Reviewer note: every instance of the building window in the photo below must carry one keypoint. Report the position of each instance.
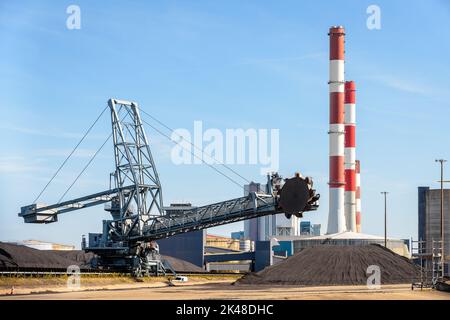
(283, 231)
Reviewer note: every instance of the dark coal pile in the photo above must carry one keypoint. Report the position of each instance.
(16, 257)
(182, 265)
(81, 257)
(336, 265)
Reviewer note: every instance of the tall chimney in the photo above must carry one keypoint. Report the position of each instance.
(358, 196)
(336, 216)
(350, 156)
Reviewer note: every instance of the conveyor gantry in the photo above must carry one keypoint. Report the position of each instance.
(138, 219)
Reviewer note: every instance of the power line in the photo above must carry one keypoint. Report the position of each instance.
(71, 153)
(196, 147)
(157, 130)
(84, 169)
(89, 162)
(209, 165)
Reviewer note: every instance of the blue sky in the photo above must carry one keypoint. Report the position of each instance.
(230, 64)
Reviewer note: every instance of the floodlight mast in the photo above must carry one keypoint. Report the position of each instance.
(127, 241)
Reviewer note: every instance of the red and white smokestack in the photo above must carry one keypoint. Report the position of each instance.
(358, 196)
(350, 156)
(336, 216)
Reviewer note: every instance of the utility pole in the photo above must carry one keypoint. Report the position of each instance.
(385, 218)
(441, 161)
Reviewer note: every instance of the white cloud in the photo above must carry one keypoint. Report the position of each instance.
(54, 134)
(18, 164)
(160, 146)
(64, 152)
(404, 85)
(272, 61)
(287, 67)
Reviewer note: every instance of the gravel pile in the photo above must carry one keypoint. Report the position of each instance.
(336, 265)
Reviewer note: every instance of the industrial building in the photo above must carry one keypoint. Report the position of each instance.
(222, 242)
(187, 246)
(308, 229)
(429, 219)
(263, 228)
(292, 245)
(237, 235)
(244, 244)
(43, 245)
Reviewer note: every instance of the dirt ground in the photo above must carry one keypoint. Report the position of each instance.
(59, 284)
(198, 288)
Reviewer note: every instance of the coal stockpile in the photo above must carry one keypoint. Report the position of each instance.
(329, 265)
(182, 265)
(83, 259)
(80, 257)
(18, 257)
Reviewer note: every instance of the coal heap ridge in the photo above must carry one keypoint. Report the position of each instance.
(14, 256)
(19, 257)
(328, 265)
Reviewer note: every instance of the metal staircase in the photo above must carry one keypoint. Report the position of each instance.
(423, 259)
(438, 262)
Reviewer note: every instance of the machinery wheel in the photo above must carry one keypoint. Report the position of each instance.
(294, 196)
